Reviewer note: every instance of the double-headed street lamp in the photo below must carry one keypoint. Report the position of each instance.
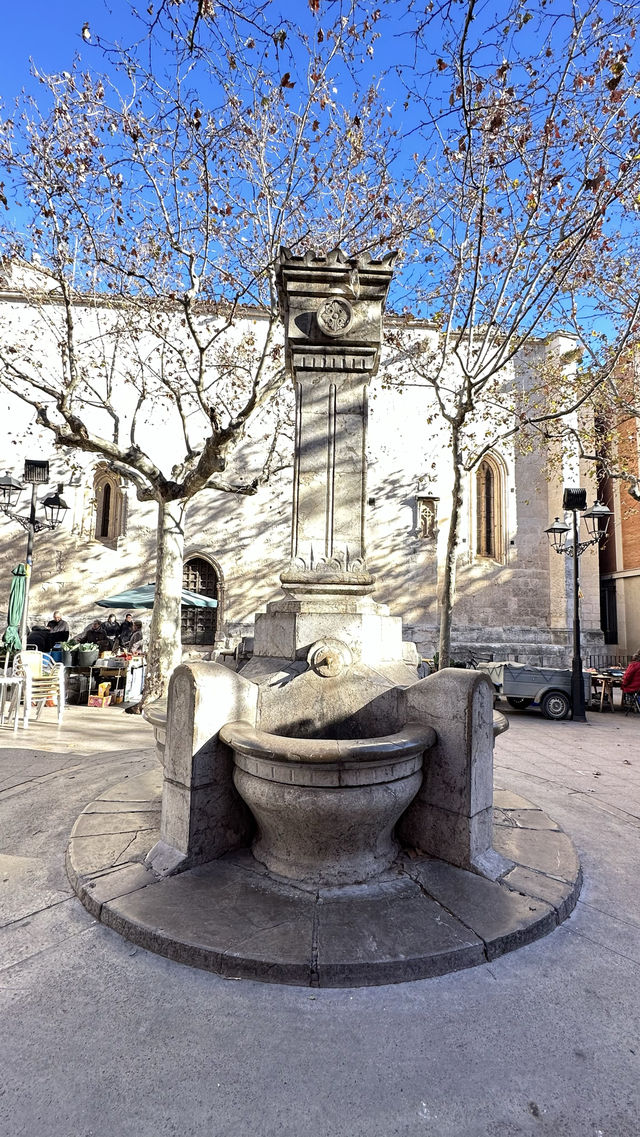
(597, 522)
(35, 474)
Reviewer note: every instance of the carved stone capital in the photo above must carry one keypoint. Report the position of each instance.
(330, 300)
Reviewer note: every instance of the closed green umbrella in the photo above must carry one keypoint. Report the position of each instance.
(11, 637)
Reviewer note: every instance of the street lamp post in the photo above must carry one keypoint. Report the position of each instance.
(35, 474)
(597, 522)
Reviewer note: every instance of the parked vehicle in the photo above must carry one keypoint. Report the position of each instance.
(523, 685)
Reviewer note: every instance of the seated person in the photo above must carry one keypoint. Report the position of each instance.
(58, 628)
(39, 637)
(126, 630)
(631, 677)
(111, 628)
(135, 643)
(94, 633)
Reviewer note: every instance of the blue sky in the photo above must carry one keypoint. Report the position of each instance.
(49, 33)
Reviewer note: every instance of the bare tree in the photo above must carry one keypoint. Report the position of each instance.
(526, 144)
(609, 438)
(152, 198)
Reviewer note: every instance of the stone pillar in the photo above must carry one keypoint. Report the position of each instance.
(332, 309)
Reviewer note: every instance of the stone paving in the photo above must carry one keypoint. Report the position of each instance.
(102, 1039)
(423, 917)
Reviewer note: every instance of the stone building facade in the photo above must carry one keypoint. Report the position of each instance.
(620, 557)
(513, 593)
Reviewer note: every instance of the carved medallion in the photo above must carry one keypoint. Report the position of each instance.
(335, 316)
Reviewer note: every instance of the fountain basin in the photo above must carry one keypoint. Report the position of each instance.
(326, 808)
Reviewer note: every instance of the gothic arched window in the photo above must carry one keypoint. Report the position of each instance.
(110, 505)
(489, 509)
(105, 512)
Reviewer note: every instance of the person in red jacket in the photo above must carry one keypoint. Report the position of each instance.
(631, 677)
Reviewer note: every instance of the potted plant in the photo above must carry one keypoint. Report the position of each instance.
(87, 654)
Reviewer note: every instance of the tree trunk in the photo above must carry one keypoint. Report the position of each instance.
(165, 643)
(448, 592)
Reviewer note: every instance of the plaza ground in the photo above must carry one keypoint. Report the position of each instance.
(102, 1039)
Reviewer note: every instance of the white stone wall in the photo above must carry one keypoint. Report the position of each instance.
(519, 607)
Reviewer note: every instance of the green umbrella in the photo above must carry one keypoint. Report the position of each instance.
(11, 637)
(144, 596)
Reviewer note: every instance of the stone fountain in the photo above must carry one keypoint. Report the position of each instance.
(327, 817)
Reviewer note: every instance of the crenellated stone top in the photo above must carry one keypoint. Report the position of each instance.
(332, 309)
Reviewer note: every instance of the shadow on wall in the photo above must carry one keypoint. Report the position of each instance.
(487, 592)
(249, 537)
(70, 574)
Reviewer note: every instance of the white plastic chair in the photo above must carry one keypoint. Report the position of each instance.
(43, 679)
(10, 685)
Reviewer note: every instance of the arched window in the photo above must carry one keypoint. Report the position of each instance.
(110, 506)
(199, 625)
(106, 511)
(489, 509)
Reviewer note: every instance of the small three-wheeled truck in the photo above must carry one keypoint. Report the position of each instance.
(522, 685)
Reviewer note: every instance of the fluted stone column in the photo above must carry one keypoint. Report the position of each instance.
(332, 310)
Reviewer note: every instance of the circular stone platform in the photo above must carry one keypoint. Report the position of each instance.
(422, 918)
